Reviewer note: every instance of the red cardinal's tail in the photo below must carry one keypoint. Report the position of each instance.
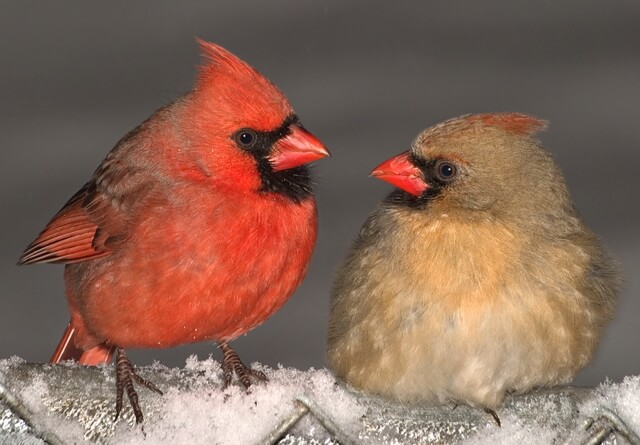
(67, 350)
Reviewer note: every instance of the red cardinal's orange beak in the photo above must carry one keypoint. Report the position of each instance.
(297, 148)
(400, 172)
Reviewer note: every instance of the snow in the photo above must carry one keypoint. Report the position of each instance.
(206, 415)
(75, 404)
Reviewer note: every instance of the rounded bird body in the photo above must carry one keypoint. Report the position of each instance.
(195, 267)
(198, 225)
(475, 278)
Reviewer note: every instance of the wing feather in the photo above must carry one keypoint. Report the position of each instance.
(95, 220)
(70, 235)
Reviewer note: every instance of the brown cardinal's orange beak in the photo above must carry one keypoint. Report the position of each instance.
(297, 148)
(401, 172)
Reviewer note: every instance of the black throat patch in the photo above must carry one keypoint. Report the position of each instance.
(294, 183)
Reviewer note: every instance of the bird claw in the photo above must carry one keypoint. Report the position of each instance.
(125, 376)
(494, 415)
(231, 364)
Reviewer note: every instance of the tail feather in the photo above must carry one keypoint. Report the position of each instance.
(67, 350)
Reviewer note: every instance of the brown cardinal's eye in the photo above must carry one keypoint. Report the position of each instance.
(446, 170)
(246, 138)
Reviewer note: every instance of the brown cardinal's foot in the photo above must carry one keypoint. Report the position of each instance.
(231, 363)
(125, 376)
(494, 415)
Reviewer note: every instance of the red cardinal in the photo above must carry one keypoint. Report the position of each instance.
(198, 225)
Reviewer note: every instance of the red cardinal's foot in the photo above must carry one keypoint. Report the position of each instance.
(231, 363)
(125, 376)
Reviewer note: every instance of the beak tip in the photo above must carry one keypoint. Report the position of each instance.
(324, 153)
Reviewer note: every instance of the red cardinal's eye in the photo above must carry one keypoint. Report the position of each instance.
(246, 138)
(446, 170)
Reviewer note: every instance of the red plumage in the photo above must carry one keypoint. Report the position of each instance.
(517, 123)
(186, 233)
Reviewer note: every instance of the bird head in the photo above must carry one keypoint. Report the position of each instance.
(240, 131)
(476, 162)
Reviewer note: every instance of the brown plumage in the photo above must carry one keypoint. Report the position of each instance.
(475, 277)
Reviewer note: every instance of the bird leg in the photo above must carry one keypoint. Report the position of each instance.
(231, 363)
(125, 376)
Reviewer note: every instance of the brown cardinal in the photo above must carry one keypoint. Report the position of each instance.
(198, 225)
(476, 277)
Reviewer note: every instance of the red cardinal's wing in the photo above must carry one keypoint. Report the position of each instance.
(94, 221)
(72, 235)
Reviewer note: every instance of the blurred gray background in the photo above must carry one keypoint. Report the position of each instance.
(365, 79)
